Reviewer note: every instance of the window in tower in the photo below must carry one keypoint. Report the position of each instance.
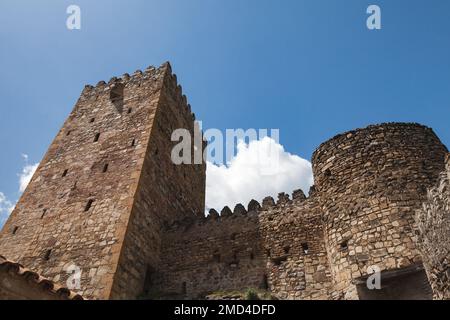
(88, 205)
(116, 96)
(305, 247)
(47, 254)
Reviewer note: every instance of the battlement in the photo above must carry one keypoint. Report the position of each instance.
(139, 78)
(256, 207)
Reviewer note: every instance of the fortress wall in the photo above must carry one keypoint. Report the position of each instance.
(433, 239)
(370, 182)
(293, 239)
(165, 190)
(205, 255)
(261, 248)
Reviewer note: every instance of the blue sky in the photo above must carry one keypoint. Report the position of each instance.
(310, 68)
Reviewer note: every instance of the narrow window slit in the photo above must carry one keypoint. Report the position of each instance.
(97, 136)
(65, 173)
(88, 205)
(344, 245)
(15, 230)
(47, 254)
(44, 212)
(305, 248)
(105, 168)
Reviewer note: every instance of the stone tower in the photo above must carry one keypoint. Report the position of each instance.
(371, 182)
(106, 187)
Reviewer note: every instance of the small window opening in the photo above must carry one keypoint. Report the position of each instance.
(327, 173)
(216, 257)
(47, 254)
(15, 230)
(65, 173)
(184, 288)
(268, 252)
(235, 258)
(148, 280)
(88, 205)
(286, 249)
(116, 96)
(344, 245)
(278, 260)
(43, 213)
(265, 283)
(92, 120)
(105, 168)
(252, 256)
(129, 110)
(305, 248)
(69, 132)
(133, 143)
(97, 136)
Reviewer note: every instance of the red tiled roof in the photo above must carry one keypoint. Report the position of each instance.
(34, 278)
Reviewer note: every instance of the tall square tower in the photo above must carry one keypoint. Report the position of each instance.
(106, 186)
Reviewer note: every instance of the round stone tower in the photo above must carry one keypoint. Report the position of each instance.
(370, 182)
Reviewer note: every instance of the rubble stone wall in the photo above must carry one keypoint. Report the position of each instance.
(370, 183)
(433, 221)
(278, 247)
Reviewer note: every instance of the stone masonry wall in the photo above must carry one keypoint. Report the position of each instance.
(370, 182)
(433, 221)
(164, 193)
(278, 247)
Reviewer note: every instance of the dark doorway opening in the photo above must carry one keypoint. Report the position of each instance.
(148, 281)
(410, 283)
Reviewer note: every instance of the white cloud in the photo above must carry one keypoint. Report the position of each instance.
(6, 207)
(26, 175)
(247, 176)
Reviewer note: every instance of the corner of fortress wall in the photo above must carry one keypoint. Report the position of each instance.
(433, 238)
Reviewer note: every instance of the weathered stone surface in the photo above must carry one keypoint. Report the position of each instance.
(108, 199)
(433, 221)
